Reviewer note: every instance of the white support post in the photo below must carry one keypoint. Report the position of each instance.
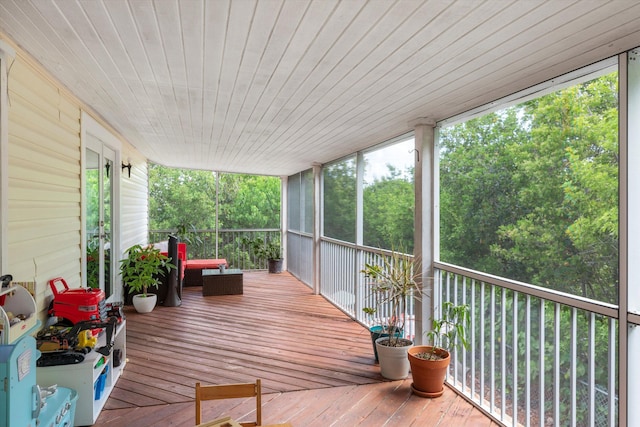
(359, 198)
(317, 225)
(217, 211)
(629, 211)
(284, 219)
(425, 232)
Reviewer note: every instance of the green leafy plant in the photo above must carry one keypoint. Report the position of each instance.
(392, 283)
(142, 268)
(93, 263)
(188, 233)
(449, 331)
(265, 248)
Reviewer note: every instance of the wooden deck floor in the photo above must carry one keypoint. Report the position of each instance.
(316, 364)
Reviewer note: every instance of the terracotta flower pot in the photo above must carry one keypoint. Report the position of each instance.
(428, 375)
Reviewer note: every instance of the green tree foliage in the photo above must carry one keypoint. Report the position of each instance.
(179, 197)
(530, 193)
(477, 191)
(389, 206)
(340, 201)
(249, 201)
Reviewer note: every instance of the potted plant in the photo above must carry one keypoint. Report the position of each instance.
(188, 233)
(392, 284)
(269, 249)
(141, 269)
(429, 363)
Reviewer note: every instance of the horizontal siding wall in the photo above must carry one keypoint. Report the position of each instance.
(44, 182)
(134, 200)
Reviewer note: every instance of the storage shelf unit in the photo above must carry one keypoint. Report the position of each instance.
(84, 377)
(18, 301)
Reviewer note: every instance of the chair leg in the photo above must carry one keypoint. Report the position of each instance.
(258, 402)
(198, 415)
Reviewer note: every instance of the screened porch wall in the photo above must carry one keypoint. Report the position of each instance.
(589, 375)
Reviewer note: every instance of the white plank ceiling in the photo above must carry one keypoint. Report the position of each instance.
(273, 86)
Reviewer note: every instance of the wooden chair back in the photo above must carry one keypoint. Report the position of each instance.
(230, 391)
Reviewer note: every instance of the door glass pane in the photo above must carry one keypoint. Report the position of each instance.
(92, 175)
(107, 209)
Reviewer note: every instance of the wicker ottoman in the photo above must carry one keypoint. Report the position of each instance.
(194, 267)
(216, 283)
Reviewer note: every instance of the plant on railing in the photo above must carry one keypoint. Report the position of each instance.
(267, 249)
(188, 233)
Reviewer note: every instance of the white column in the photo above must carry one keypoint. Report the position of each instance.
(425, 219)
(629, 298)
(317, 225)
(359, 202)
(217, 211)
(284, 218)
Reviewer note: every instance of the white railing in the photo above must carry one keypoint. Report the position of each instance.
(536, 354)
(343, 284)
(537, 357)
(231, 244)
(300, 256)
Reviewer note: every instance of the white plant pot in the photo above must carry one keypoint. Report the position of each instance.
(394, 362)
(144, 304)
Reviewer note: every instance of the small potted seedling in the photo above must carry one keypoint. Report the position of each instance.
(429, 363)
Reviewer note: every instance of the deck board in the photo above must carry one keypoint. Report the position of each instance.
(316, 364)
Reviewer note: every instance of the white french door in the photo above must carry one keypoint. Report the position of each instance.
(99, 213)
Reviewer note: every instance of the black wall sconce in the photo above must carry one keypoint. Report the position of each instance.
(127, 167)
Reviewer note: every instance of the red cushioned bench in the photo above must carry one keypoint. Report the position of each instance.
(194, 267)
(191, 270)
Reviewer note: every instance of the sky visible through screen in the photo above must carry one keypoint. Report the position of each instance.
(399, 155)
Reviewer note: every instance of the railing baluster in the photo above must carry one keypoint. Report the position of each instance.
(454, 355)
(574, 356)
(463, 350)
(472, 340)
(514, 385)
(492, 343)
(482, 342)
(592, 368)
(503, 353)
(542, 347)
(527, 355)
(612, 373)
(437, 312)
(556, 367)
